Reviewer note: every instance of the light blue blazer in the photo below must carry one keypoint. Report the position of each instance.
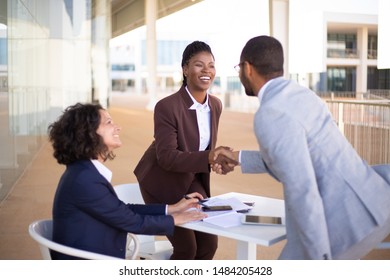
(333, 198)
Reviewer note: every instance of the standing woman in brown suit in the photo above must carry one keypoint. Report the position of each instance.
(178, 160)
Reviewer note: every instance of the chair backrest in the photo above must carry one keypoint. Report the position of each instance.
(41, 232)
(130, 193)
(150, 248)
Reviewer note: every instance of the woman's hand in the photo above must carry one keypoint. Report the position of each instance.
(188, 216)
(180, 213)
(189, 201)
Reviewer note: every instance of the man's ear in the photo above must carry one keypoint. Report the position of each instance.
(248, 68)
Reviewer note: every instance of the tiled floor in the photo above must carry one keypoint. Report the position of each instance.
(31, 197)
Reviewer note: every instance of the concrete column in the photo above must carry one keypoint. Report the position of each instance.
(279, 27)
(151, 51)
(361, 69)
(383, 34)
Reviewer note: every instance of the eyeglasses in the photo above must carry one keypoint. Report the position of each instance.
(238, 66)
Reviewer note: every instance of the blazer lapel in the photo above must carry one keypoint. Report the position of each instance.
(192, 122)
(213, 122)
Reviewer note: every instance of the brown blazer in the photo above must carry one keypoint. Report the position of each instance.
(173, 162)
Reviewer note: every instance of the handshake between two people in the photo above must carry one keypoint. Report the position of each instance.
(223, 159)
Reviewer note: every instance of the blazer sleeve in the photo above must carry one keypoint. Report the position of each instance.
(94, 197)
(287, 154)
(252, 163)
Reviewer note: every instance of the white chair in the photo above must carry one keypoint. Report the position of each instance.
(41, 231)
(149, 248)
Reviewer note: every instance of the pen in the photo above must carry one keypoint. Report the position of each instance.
(200, 200)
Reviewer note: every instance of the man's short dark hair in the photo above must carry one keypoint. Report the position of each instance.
(265, 53)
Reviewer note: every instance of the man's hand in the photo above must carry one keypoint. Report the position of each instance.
(223, 160)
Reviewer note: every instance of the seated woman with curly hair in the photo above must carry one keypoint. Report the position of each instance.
(87, 213)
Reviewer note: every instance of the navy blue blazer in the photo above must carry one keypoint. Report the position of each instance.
(88, 215)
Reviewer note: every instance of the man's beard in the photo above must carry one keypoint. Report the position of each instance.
(249, 91)
(245, 83)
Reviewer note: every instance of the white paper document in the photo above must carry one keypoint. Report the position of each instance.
(236, 204)
(225, 218)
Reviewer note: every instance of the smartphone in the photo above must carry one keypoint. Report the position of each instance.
(217, 208)
(250, 204)
(261, 220)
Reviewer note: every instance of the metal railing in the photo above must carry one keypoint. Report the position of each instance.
(342, 53)
(366, 124)
(371, 94)
(378, 94)
(339, 94)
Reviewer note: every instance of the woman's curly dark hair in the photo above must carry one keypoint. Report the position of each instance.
(73, 135)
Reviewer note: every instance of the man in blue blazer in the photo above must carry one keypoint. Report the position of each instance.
(337, 206)
(87, 214)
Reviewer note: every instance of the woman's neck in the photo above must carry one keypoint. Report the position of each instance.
(198, 95)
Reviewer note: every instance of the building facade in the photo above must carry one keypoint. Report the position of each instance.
(352, 61)
(330, 48)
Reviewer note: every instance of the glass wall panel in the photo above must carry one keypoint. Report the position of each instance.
(51, 53)
(100, 51)
(6, 156)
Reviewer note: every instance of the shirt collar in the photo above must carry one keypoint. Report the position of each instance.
(196, 105)
(103, 170)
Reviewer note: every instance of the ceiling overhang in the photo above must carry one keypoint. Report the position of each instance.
(127, 15)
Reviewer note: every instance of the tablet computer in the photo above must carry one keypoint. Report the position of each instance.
(261, 220)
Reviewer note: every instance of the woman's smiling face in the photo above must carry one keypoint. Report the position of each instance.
(109, 131)
(200, 71)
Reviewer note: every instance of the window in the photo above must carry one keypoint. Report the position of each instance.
(341, 79)
(169, 52)
(3, 51)
(372, 47)
(233, 84)
(378, 78)
(343, 45)
(123, 67)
